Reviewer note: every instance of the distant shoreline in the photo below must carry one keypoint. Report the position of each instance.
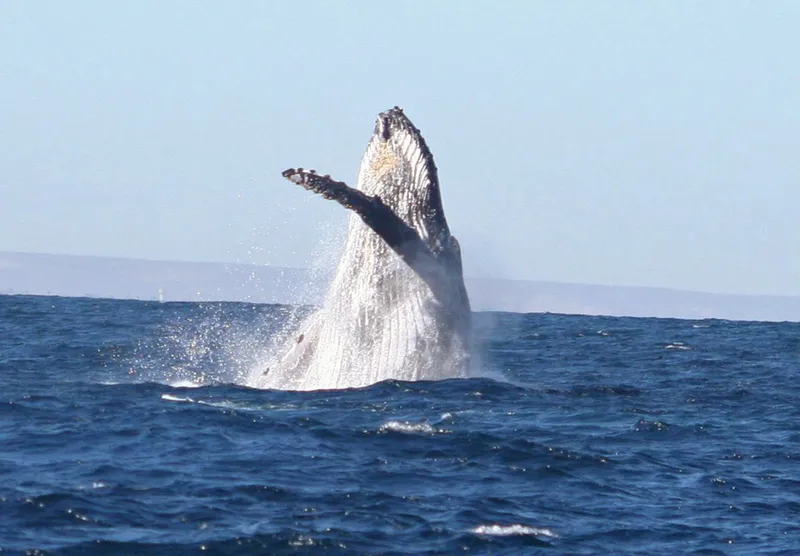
(123, 278)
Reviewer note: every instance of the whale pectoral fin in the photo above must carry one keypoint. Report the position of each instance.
(402, 238)
(329, 188)
(373, 211)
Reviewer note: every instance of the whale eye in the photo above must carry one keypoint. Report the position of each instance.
(300, 338)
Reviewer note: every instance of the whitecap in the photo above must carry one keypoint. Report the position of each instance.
(677, 345)
(509, 530)
(406, 427)
(171, 398)
(302, 541)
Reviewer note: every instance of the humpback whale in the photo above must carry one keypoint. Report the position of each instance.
(397, 307)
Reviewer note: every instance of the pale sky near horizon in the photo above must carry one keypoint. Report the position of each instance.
(621, 143)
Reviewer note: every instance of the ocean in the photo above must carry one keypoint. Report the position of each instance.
(127, 427)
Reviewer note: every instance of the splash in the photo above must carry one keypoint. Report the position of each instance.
(210, 343)
(200, 344)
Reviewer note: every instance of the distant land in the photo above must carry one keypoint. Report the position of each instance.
(86, 276)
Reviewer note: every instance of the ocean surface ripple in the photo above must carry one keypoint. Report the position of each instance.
(127, 428)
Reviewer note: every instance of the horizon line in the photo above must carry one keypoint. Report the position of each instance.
(471, 278)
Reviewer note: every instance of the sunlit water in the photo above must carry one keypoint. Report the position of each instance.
(127, 428)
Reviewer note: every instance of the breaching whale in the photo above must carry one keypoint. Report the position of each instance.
(397, 307)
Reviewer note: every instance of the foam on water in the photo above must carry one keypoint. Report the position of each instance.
(171, 398)
(508, 530)
(397, 426)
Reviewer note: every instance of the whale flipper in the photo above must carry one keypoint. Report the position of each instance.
(402, 238)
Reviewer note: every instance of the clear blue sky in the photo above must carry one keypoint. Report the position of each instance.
(625, 143)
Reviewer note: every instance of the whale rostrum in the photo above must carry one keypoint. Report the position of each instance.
(397, 307)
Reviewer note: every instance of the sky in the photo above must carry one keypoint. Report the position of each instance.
(619, 143)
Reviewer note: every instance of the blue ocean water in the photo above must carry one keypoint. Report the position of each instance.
(125, 428)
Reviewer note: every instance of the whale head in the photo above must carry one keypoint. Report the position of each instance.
(398, 167)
